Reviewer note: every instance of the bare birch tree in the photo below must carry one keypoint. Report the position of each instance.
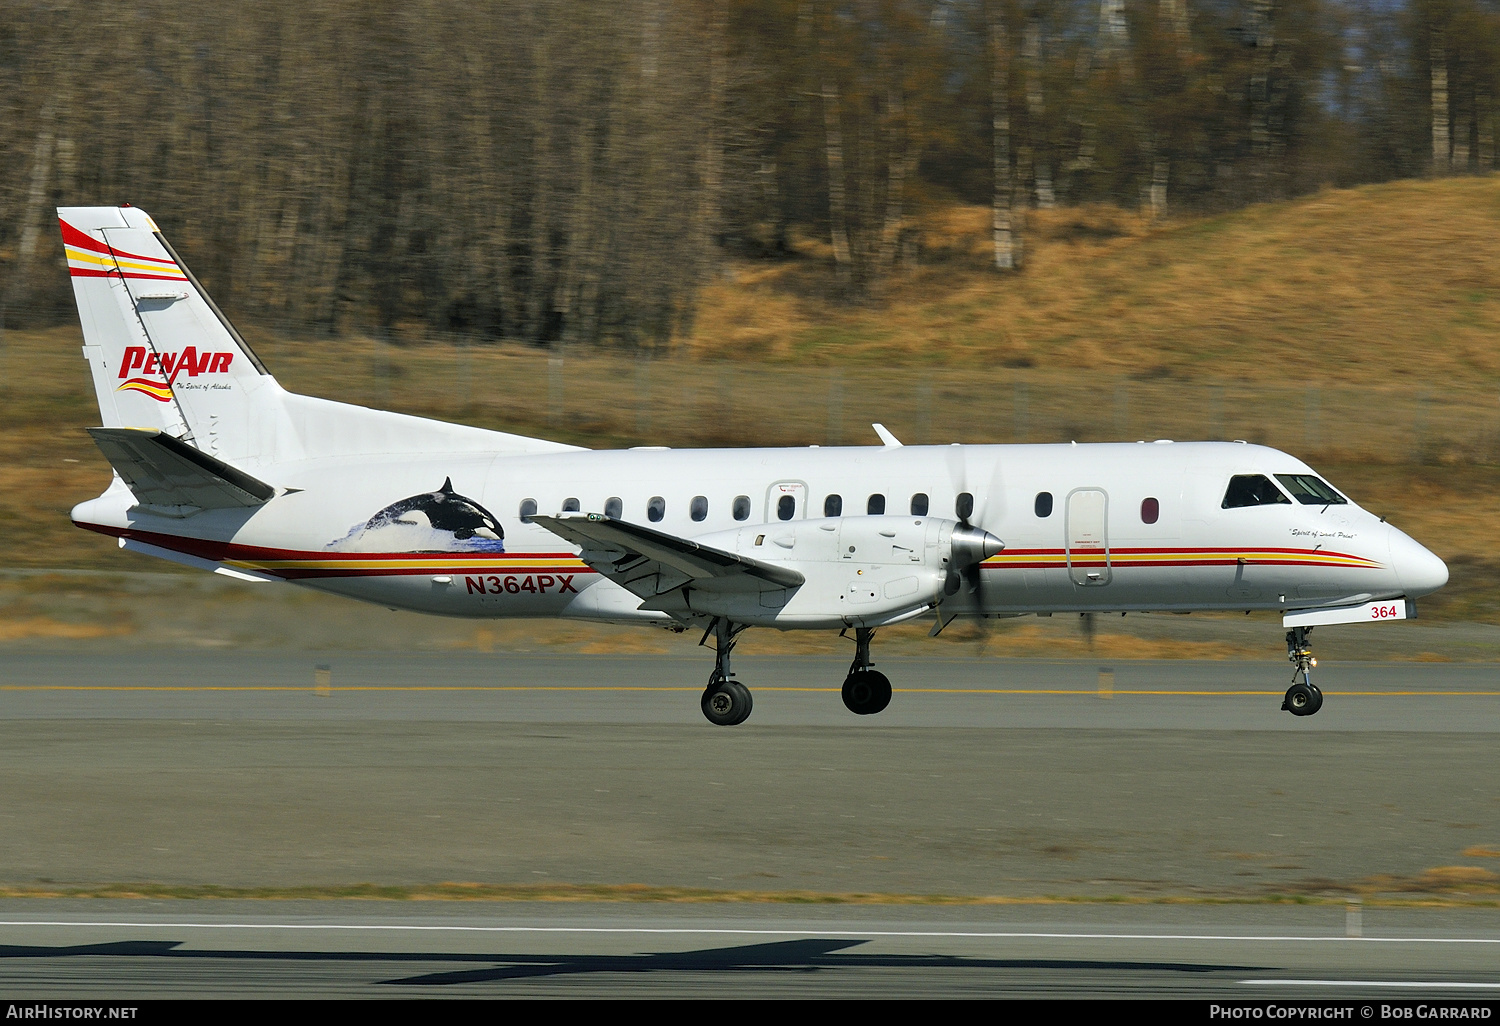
(1441, 143)
(1007, 241)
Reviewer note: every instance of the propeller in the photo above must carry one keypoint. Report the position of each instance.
(970, 545)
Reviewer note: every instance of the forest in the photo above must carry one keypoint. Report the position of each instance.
(574, 172)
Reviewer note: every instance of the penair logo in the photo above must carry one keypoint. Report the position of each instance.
(167, 366)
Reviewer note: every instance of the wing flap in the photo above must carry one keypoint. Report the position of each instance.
(166, 472)
(648, 563)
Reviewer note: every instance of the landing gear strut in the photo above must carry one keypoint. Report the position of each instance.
(726, 702)
(1302, 699)
(866, 691)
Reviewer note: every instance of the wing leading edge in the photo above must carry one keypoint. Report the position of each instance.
(650, 563)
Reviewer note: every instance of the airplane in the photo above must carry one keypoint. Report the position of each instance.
(218, 467)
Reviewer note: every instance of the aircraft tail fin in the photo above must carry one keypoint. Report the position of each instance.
(161, 352)
(165, 358)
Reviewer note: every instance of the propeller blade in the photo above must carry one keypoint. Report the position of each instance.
(958, 474)
(973, 578)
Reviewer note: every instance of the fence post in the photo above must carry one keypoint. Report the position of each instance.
(924, 410)
(1312, 432)
(1419, 429)
(465, 372)
(835, 406)
(643, 395)
(554, 389)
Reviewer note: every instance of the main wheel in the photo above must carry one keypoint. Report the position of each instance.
(1317, 702)
(1302, 699)
(743, 702)
(727, 703)
(867, 692)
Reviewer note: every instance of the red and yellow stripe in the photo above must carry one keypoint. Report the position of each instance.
(90, 258)
(1042, 559)
(158, 390)
(401, 564)
(301, 564)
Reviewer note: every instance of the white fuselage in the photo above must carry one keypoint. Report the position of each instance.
(1093, 550)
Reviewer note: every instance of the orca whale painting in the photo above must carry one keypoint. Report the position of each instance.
(440, 521)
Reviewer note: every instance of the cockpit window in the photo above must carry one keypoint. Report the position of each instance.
(1310, 490)
(1252, 490)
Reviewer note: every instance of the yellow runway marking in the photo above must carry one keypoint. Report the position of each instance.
(1091, 692)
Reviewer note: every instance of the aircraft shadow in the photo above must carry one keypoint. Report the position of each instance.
(809, 955)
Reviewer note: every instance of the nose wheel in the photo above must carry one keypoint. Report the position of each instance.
(866, 691)
(1302, 698)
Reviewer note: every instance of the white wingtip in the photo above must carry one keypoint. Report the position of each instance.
(887, 439)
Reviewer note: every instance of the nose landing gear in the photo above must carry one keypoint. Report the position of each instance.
(1302, 698)
(866, 691)
(726, 702)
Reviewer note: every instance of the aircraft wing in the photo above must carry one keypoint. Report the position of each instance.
(648, 563)
(165, 471)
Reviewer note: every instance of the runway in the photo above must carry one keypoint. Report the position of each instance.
(244, 949)
(1006, 779)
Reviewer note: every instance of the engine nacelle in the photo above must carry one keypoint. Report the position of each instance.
(861, 571)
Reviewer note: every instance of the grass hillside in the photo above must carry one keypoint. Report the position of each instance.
(1353, 287)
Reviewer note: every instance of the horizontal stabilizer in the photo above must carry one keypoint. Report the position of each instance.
(649, 563)
(163, 471)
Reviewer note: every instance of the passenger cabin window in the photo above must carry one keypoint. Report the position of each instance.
(1150, 511)
(833, 506)
(656, 508)
(1252, 490)
(786, 506)
(613, 507)
(698, 508)
(1043, 505)
(876, 505)
(1310, 490)
(570, 506)
(742, 507)
(919, 504)
(964, 505)
(528, 510)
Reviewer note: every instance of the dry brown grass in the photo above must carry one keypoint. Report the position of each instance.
(1348, 287)
(1384, 892)
(1457, 880)
(27, 627)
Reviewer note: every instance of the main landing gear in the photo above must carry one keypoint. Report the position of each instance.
(866, 691)
(1302, 699)
(726, 702)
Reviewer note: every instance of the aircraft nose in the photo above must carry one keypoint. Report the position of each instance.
(1419, 570)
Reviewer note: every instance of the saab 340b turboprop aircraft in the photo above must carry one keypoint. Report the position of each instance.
(218, 467)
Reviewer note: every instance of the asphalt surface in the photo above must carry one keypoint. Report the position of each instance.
(100, 950)
(1020, 779)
